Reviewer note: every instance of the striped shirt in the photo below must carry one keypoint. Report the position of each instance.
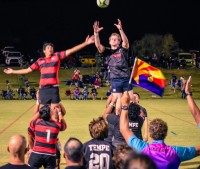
(49, 68)
(45, 133)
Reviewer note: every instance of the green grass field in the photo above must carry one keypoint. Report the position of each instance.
(15, 114)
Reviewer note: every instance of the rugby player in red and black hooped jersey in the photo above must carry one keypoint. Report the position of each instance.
(44, 131)
(49, 67)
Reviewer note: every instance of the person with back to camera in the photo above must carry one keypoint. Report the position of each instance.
(143, 114)
(42, 137)
(117, 60)
(121, 155)
(36, 115)
(135, 120)
(165, 156)
(73, 154)
(113, 120)
(17, 150)
(98, 152)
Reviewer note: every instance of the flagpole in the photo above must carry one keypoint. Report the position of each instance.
(132, 73)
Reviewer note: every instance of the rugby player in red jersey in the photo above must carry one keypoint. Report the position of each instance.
(49, 67)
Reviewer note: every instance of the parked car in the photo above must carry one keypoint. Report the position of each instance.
(14, 57)
(88, 60)
(8, 49)
(187, 58)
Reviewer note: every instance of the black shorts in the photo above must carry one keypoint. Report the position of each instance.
(39, 160)
(48, 95)
(57, 153)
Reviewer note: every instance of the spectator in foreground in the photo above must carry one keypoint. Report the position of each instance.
(121, 155)
(140, 161)
(194, 109)
(97, 149)
(17, 150)
(170, 157)
(73, 154)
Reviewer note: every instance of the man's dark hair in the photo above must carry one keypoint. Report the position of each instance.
(158, 129)
(133, 111)
(137, 94)
(47, 44)
(144, 161)
(122, 153)
(74, 152)
(98, 128)
(45, 112)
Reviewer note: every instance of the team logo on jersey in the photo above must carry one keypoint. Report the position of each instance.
(117, 55)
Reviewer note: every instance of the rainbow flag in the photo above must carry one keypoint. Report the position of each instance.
(148, 77)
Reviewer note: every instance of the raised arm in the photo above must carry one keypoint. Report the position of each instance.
(61, 118)
(125, 42)
(109, 107)
(63, 110)
(19, 72)
(124, 122)
(191, 103)
(89, 40)
(145, 137)
(98, 44)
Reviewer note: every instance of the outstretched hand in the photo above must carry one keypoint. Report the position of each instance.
(89, 39)
(96, 27)
(188, 85)
(119, 24)
(8, 71)
(125, 100)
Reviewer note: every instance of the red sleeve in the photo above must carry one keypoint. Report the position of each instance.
(31, 129)
(62, 126)
(61, 55)
(35, 66)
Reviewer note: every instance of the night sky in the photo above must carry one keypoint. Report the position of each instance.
(28, 24)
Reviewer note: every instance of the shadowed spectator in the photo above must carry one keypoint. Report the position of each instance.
(140, 161)
(122, 154)
(73, 154)
(17, 150)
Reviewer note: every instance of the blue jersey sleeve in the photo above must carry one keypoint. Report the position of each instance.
(185, 153)
(137, 143)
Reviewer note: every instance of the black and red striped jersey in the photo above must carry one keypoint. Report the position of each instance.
(49, 68)
(45, 135)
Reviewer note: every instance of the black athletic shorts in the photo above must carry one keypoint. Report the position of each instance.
(39, 160)
(48, 95)
(57, 153)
